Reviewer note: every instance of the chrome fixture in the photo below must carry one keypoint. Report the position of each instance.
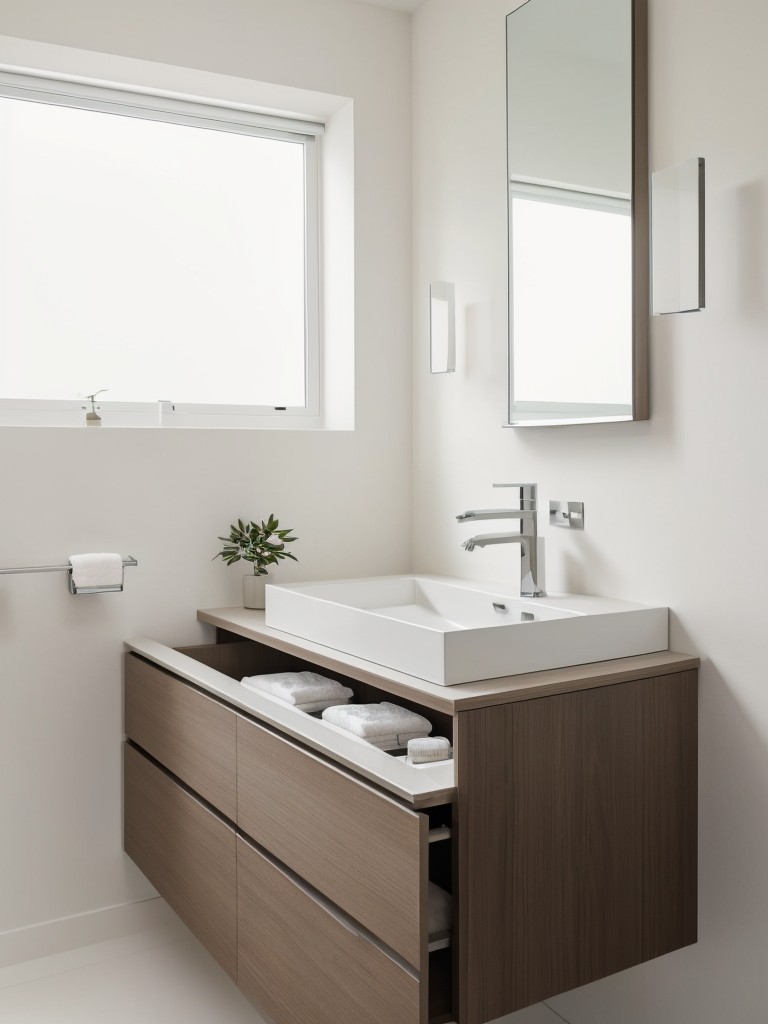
(114, 588)
(569, 514)
(527, 538)
(92, 418)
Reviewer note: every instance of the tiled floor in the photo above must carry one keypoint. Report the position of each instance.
(156, 975)
(159, 975)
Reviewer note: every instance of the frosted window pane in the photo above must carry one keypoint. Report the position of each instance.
(157, 260)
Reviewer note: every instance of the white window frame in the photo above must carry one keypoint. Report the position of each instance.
(218, 116)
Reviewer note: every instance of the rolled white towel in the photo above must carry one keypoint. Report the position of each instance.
(440, 909)
(382, 721)
(100, 569)
(298, 687)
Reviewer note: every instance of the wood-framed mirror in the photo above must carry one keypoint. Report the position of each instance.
(579, 278)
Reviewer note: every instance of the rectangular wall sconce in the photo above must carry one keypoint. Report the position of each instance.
(442, 327)
(677, 237)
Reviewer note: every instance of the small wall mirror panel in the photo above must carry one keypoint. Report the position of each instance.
(578, 211)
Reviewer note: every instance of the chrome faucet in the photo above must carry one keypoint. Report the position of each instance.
(527, 538)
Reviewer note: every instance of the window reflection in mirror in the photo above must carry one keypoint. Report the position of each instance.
(571, 224)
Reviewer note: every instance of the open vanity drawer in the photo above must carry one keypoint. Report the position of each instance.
(334, 874)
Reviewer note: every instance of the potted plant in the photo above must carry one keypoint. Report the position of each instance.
(262, 544)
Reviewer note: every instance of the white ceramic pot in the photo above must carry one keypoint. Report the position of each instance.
(253, 591)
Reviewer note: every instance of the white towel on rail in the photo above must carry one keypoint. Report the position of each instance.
(100, 569)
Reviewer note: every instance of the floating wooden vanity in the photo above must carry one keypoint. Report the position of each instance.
(565, 827)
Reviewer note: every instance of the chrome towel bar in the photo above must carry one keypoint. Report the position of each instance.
(56, 568)
(130, 560)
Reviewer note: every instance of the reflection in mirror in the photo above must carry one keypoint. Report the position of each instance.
(577, 211)
(677, 230)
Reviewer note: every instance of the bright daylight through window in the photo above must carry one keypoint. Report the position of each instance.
(164, 256)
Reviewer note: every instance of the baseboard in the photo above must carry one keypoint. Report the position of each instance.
(50, 937)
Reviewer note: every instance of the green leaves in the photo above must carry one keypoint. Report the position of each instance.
(262, 544)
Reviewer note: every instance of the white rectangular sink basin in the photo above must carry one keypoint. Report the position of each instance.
(452, 631)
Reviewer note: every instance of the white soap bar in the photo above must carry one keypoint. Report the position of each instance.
(430, 748)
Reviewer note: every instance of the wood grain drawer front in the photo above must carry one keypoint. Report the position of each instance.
(186, 851)
(300, 963)
(192, 735)
(363, 851)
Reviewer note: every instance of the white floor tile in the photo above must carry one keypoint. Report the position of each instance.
(177, 983)
(48, 937)
(156, 974)
(164, 929)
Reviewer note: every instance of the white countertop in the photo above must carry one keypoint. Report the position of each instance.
(450, 699)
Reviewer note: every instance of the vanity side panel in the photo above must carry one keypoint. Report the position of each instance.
(670, 809)
(576, 839)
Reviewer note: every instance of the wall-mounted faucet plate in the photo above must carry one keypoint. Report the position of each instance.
(569, 514)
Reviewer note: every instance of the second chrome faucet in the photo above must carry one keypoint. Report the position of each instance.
(527, 537)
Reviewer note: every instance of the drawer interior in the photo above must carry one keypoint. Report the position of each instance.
(236, 658)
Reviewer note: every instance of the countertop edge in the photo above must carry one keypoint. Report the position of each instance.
(462, 696)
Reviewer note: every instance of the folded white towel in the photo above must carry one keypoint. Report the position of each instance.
(101, 569)
(298, 687)
(382, 721)
(320, 705)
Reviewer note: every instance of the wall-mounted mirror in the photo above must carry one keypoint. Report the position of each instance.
(578, 211)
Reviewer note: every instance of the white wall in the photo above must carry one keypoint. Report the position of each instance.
(650, 488)
(165, 496)
(672, 505)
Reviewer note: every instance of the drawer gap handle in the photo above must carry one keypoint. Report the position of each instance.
(329, 908)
